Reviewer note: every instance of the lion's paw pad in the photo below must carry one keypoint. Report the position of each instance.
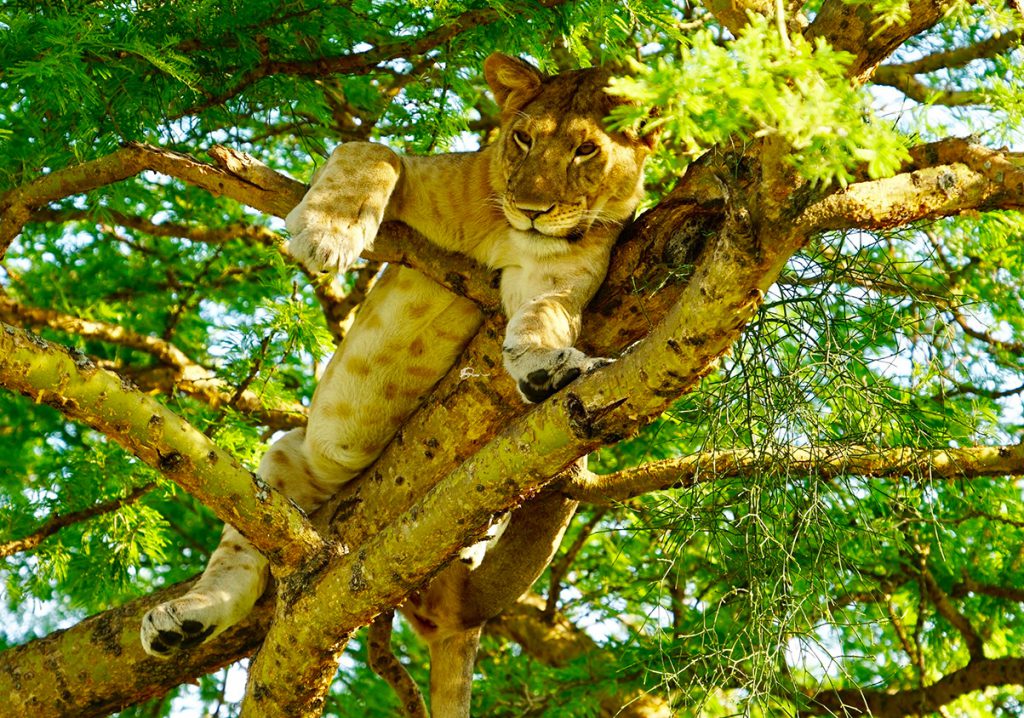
(165, 632)
(558, 370)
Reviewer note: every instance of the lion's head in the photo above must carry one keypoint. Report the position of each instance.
(557, 169)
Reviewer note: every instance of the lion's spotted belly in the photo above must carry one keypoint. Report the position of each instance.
(405, 338)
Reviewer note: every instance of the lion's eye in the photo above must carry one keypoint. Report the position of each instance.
(586, 149)
(522, 139)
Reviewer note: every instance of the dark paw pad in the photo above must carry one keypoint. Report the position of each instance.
(191, 635)
(165, 641)
(539, 384)
(194, 633)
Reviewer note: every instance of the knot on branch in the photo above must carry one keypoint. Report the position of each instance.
(589, 423)
(171, 462)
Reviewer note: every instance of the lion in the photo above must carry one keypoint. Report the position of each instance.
(544, 204)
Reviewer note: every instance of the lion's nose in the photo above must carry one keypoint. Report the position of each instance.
(533, 211)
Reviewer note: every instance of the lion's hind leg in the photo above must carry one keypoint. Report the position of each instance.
(236, 574)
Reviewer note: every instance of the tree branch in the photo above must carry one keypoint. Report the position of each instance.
(702, 317)
(597, 409)
(968, 586)
(358, 63)
(903, 76)
(855, 29)
(918, 91)
(960, 56)
(946, 178)
(384, 663)
(246, 180)
(555, 641)
(254, 233)
(18, 204)
(826, 462)
(733, 14)
(974, 643)
(559, 568)
(975, 676)
(163, 351)
(73, 385)
(191, 377)
(97, 666)
(58, 521)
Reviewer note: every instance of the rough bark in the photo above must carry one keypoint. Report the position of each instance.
(98, 666)
(855, 28)
(735, 221)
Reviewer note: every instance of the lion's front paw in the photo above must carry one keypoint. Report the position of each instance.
(540, 373)
(330, 241)
(176, 626)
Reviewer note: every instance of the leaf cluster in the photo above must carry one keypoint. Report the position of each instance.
(762, 86)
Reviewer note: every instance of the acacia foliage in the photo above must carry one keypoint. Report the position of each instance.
(741, 593)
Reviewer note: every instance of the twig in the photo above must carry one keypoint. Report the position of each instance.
(58, 521)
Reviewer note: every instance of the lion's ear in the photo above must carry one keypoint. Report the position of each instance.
(514, 82)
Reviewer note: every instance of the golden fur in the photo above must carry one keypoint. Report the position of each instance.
(544, 204)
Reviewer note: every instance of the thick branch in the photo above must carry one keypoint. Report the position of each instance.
(823, 461)
(597, 409)
(855, 28)
(77, 388)
(946, 178)
(97, 666)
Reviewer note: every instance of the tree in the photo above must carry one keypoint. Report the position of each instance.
(806, 499)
